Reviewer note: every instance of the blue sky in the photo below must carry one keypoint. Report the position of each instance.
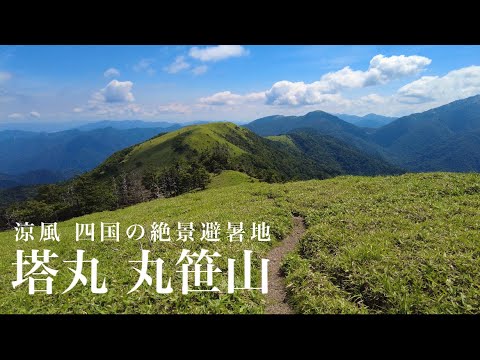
(229, 82)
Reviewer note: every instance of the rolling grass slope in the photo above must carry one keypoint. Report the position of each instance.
(162, 150)
(229, 178)
(394, 244)
(233, 147)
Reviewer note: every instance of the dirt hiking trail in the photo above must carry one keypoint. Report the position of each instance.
(276, 297)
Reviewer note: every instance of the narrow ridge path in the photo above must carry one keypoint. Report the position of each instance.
(276, 297)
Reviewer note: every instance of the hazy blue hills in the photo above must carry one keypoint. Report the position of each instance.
(43, 152)
(35, 158)
(30, 178)
(129, 124)
(316, 145)
(42, 126)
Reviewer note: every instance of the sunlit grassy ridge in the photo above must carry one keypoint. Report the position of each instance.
(229, 178)
(161, 151)
(237, 148)
(395, 244)
(283, 139)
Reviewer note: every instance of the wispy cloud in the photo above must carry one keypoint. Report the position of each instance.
(199, 70)
(15, 116)
(173, 108)
(217, 53)
(179, 64)
(144, 65)
(112, 72)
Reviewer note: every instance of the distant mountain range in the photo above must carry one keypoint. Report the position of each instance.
(368, 121)
(52, 155)
(37, 158)
(446, 138)
(30, 178)
(41, 126)
(50, 127)
(129, 124)
(173, 163)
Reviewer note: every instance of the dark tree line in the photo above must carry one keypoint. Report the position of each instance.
(85, 194)
(175, 180)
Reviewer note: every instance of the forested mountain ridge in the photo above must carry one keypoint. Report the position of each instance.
(368, 121)
(441, 139)
(322, 122)
(418, 141)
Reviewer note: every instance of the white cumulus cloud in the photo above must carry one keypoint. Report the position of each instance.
(34, 114)
(229, 98)
(297, 93)
(114, 99)
(398, 66)
(381, 70)
(456, 84)
(115, 92)
(178, 65)
(217, 53)
(112, 72)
